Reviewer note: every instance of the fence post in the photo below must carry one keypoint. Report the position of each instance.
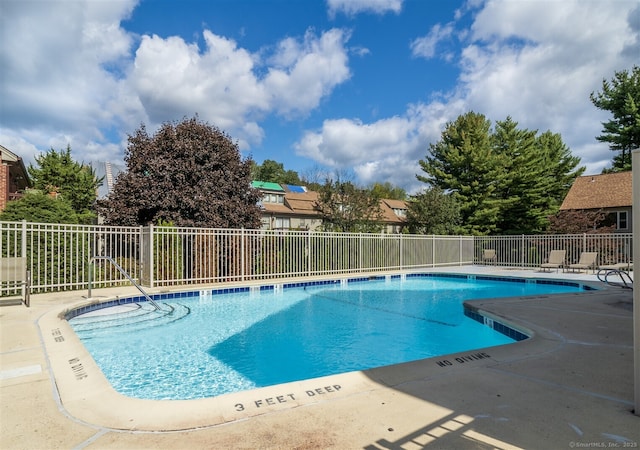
(359, 252)
(242, 254)
(309, 252)
(23, 252)
(400, 245)
(150, 255)
(433, 250)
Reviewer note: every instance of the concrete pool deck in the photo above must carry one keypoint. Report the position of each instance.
(570, 386)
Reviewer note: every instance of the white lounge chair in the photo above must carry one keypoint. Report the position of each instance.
(489, 255)
(555, 261)
(588, 260)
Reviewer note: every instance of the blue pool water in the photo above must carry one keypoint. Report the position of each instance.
(215, 344)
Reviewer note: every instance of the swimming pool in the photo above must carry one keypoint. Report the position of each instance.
(242, 338)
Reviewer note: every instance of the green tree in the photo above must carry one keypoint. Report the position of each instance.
(507, 180)
(274, 172)
(431, 211)
(36, 206)
(347, 208)
(57, 172)
(387, 190)
(621, 97)
(465, 164)
(190, 174)
(539, 172)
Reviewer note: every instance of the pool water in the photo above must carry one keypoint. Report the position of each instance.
(216, 344)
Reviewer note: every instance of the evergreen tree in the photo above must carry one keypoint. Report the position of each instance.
(35, 206)
(57, 173)
(506, 181)
(540, 171)
(465, 163)
(621, 97)
(189, 174)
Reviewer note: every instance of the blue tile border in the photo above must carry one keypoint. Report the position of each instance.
(500, 327)
(270, 287)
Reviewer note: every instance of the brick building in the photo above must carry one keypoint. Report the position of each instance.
(14, 178)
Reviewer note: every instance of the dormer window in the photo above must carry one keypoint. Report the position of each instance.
(273, 198)
(400, 212)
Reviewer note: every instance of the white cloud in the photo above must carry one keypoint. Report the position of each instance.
(307, 71)
(425, 46)
(353, 7)
(385, 150)
(174, 79)
(61, 65)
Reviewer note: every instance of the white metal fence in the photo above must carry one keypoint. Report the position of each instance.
(532, 250)
(60, 255)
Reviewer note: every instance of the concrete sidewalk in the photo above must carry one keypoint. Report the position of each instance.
(569, 386)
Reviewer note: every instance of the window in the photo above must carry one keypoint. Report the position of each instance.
(622, 220)
(618, 219)
(282, 223)
(400, 212)
(273, 198)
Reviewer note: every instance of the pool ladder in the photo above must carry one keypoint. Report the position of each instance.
(626, 280)
(123, 272)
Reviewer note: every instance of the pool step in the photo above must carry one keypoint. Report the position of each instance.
(128, 318)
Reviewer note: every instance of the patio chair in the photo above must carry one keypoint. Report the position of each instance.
(555, 261)
(587, 260)
(14, 274)
(489, 255)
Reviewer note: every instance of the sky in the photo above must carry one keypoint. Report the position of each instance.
(352, 87)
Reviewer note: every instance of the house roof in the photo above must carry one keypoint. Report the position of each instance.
(610, 190)
(395, 204)
(302, 203)
(267, 186)
(299, 204)
(387, 206)
(16, 167)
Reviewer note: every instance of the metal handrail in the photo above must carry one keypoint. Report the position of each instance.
(123, 272)
(627, 281)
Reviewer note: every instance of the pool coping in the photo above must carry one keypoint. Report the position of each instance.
(86, 395)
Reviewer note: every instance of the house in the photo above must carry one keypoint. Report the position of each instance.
(287, 207)
(394, 213)
(610, 192)
(14, 178)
